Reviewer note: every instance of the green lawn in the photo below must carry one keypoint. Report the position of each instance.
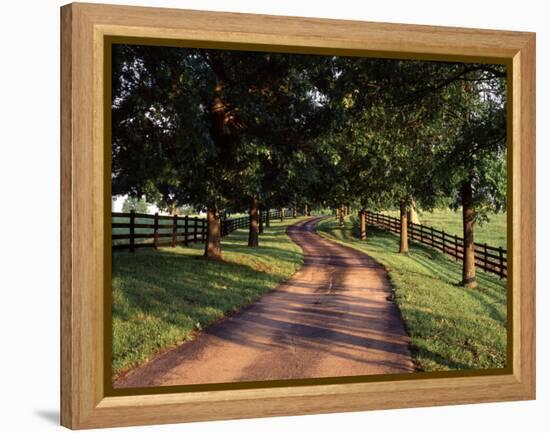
(451, 327)
(161, 297)
(493, 231)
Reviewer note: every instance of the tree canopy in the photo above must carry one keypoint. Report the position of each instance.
(226, 130)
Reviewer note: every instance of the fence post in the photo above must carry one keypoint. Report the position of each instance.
(501, 261)
(195, 227)
(432, 230)
(175, 231)
(156, 230)
(456, 248)
(132, 223)
(186, 230)
(444, 246)
(203, 231)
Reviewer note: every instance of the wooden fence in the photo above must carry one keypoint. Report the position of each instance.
(137, 230)
(488, 258)
(232, 224)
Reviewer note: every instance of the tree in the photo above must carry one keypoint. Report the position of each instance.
(138, 205)
(279, 116)
(378, 137)
(228, 130)
(473, 161)
(156, 125)
(449, 118)
(254, 224)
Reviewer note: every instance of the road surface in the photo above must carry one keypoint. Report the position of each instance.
(334, 317)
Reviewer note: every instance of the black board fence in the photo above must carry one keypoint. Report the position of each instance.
(489, 258)
(133, 230)
(231, 224)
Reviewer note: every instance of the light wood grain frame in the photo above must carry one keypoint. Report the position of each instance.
(84, 28)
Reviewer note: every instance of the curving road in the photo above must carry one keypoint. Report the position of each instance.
(334, 317)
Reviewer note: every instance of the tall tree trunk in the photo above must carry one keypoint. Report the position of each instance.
(306, 210)
(342, 214)
(468, 263)
(404, 244)
(293, 212)
(213, 247)
(267, 222)
(261, 220)
(362, 225)
(282, 211)
(253, 222)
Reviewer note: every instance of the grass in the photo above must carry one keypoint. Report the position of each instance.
(161, 298)
(451, 327)
(493, 232)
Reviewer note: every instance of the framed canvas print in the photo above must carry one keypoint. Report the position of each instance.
(267, 216)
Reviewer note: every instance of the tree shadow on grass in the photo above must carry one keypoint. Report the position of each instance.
(437, 359)
(160, 297)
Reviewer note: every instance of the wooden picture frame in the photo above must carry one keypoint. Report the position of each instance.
(84, 179)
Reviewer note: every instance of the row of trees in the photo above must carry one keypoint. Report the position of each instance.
(227, 130)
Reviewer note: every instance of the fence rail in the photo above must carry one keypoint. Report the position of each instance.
(134, 230)
(489, 258)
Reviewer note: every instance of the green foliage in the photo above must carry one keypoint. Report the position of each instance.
(138, 205)
(472, 145)
(214, 127)
(451, 328)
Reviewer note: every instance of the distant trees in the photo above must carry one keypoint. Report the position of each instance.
(231, 130)
(138, 205)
